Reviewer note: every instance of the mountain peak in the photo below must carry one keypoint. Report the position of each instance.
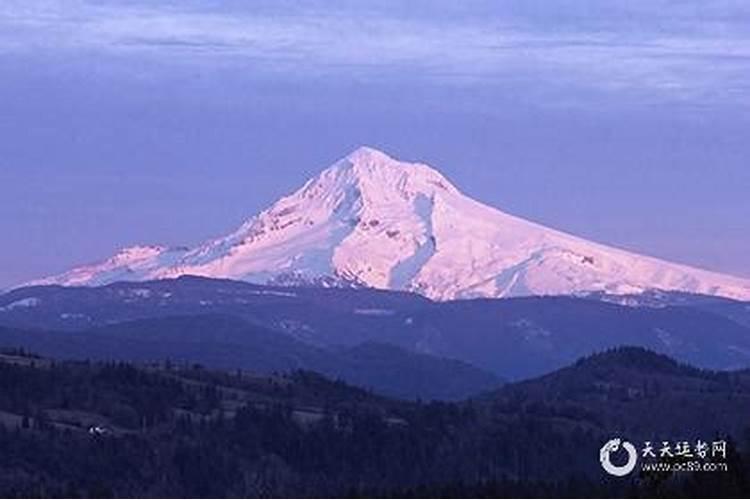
(376, 221)
(370, 169)
(370, 155)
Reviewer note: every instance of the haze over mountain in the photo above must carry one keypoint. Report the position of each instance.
(370, 220)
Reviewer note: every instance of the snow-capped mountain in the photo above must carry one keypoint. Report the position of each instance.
(370, 220)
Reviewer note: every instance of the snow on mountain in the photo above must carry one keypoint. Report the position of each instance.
(129, 264)
(370, 220)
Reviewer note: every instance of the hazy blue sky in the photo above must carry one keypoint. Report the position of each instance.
(170, 122)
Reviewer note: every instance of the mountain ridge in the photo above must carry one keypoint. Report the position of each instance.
(230, 343)
(291, 433)
(513, 338)
(372, 221)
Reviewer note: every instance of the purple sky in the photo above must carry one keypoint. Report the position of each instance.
(171, 122)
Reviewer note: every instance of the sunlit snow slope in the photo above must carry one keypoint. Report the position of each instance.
(370, 220)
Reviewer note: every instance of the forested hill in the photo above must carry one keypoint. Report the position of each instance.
(117, 429)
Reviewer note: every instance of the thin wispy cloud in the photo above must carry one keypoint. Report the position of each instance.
(675, 54)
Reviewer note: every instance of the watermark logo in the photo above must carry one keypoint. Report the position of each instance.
(680, 456)
(611, 447)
